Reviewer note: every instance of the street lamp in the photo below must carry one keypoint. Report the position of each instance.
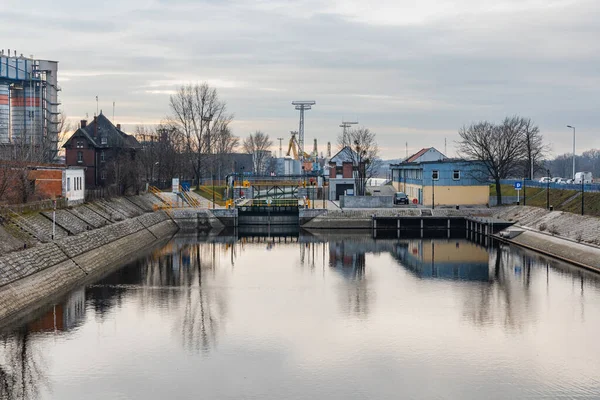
(572, 127)
(154, 165)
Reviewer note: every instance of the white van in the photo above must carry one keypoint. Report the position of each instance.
(585, 177)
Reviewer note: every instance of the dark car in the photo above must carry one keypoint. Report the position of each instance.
(400, 198)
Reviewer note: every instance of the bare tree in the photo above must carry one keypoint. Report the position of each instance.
(198, 113)
(364, 155)
(258, 144)
(225, 143)
(499, 147)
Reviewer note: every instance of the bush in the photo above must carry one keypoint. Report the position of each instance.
(579, 236)
(553, 229)
(542, 227)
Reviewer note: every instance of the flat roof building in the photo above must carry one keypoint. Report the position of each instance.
(443, 182)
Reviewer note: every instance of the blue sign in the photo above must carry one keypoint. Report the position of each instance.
(518, 185)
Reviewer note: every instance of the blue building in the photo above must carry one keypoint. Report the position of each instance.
(448, 181)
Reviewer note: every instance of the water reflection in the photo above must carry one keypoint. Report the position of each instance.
(228, 305)
(447, 259)
(23, 370)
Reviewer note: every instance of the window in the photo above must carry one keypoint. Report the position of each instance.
(68, 184)
(80, 144)
(103, 140)
(102, 157)
(103, 175)
(80, 156)
(435, 175)
(456, 175)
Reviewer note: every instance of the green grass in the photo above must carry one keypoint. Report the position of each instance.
(560, 200)
(207, 193)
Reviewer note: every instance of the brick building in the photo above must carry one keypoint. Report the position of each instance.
(99, 147)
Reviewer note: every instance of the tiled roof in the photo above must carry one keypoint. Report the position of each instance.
(418, 154)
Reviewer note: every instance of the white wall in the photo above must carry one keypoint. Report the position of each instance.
(74, 185)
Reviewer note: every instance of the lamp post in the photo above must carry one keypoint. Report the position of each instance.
(213, 191)
(433, 190)
(582, 195)
(153, 165)
(572, 127)
(548, 189)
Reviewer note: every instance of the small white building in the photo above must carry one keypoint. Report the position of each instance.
(73, 183)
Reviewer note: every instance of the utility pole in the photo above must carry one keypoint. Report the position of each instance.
(280, 147)
(302, 105)
(572, 127)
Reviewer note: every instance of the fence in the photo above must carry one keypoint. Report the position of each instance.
(33, 206)
(101, 193)
(590, 187)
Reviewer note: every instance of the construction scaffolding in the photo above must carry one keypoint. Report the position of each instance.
(29, 113)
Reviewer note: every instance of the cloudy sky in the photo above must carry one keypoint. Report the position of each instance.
(411, 70)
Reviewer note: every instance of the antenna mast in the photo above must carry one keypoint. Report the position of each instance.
(280, 148)
(345, 125)
(302, 105)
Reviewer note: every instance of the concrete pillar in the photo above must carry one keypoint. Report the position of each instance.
(421, 227)
(398, 226)
(448, 228)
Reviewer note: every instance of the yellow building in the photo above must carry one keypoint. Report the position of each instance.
(442, 182)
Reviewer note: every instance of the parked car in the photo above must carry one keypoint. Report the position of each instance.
(545, 179)
(570, 181)
(556, 179)
(400, 198)
(585, 177)
(562, 181)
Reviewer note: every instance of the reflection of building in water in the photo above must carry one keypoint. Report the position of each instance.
(453, 259)
(348, 258)
(64, 316)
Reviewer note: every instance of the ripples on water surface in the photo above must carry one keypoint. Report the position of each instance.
(316, 318)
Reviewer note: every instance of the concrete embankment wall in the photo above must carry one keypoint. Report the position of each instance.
(566, 236)
(578, 228)
(191, 220)
(50, 269)
(363, 219)
(366, 201)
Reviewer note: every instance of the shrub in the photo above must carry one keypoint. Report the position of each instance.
(542, 227)
(579, 236)
(553, 229)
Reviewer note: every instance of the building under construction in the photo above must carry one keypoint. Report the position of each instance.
(29, 116)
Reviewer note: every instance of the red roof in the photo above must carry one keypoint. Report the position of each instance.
(418, 154)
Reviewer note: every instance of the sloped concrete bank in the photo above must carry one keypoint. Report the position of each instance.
(565, 236)
(29, 277)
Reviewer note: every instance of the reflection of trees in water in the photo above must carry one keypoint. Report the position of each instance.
(204, 309)
(506, 299)
(349, 260)
(21, 367)
(172, 280)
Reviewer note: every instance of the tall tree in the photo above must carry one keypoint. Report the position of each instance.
(258, 144)
(499, 147)
(535, 149)
(198, 113)
(364, 155)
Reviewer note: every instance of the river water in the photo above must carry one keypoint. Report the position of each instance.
(332, 317)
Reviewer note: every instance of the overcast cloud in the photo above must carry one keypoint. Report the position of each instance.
(411, 70)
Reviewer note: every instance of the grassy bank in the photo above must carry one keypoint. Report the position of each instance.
(560, 200)
(207, 193)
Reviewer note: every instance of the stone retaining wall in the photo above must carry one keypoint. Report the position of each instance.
(29, 276)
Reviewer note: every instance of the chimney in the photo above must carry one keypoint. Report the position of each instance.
(119, 127)
(95, 127)
(83, 123)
